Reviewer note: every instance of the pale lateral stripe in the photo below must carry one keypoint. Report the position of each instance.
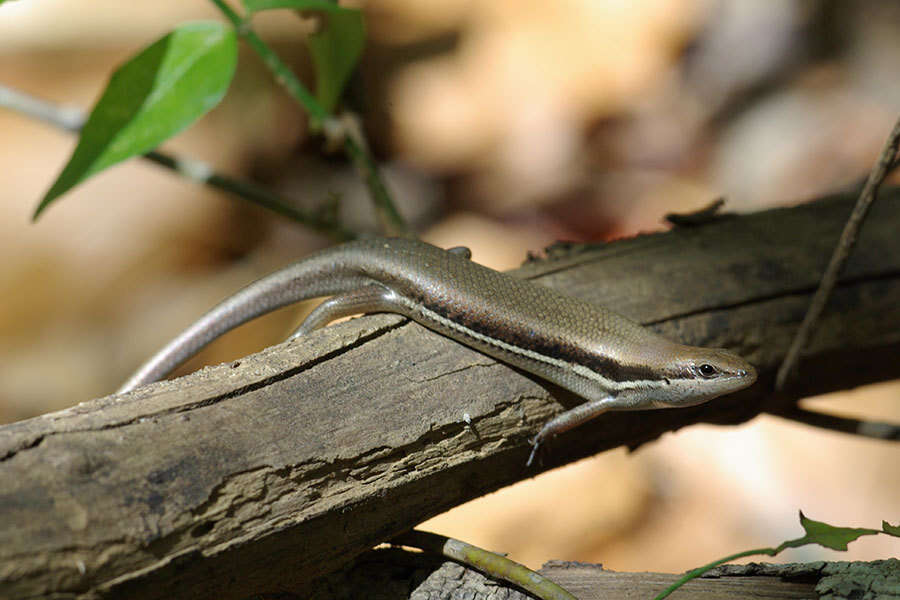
(606, 383)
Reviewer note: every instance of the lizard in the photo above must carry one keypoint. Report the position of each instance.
(610, 361)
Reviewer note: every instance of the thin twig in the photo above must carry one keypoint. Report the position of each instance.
(252, 193)
(356, 150)
(489, 563)
(69, 118)
(872, 429)
(392, 224)
(886, 162)
(72, 119)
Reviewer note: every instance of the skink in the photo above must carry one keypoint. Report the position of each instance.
(607, 359)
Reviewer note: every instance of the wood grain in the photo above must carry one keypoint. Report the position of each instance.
(290, 462)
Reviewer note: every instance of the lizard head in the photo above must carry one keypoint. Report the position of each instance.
(694, 375)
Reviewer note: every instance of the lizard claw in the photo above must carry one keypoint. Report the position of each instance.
(535, 444)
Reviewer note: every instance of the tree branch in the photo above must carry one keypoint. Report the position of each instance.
(286, 464)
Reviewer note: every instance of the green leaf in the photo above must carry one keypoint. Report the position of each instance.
(156, 94)
(826, 535)
(335, 52)
(320, 5)
(817, 532)
(335, 49)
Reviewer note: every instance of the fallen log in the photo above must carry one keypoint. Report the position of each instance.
(261, 474)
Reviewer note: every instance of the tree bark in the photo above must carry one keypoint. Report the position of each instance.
(396, 574)
(288, 463)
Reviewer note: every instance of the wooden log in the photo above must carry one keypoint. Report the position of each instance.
(286, 464)
(393, 573)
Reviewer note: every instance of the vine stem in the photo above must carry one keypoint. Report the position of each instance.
(355, 149)
(694, 573)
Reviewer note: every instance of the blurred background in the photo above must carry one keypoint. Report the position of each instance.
(502, 125)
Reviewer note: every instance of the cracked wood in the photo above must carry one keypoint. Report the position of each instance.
(285, 464)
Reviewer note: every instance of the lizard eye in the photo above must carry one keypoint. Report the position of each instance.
(707, 370)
